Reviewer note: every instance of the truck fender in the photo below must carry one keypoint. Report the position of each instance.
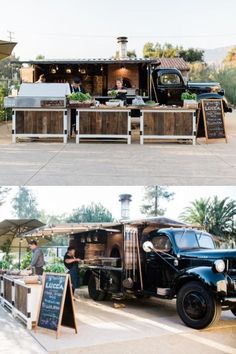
(215, 282)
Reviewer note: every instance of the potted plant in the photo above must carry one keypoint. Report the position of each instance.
(189, 100)
(79, 99)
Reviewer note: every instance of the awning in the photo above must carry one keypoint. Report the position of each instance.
(6, 49)
(14, 228)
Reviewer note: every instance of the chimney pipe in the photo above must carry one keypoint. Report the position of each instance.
(125, 200)
(122, 42)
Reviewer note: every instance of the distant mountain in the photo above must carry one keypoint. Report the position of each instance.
(217, 55)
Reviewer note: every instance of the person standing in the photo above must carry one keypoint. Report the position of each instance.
(120, 90)
(72, 264)
(76, 86)
(37, 258)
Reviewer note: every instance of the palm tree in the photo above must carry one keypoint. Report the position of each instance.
(215, 215)
(222, 214)
(197, 212)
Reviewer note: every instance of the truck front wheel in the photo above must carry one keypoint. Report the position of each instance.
(196, 306)
(94, 293)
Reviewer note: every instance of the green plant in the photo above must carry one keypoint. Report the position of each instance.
(79, 96)
(113, 93)
(26, 260)
(55, 268)
(188, 96)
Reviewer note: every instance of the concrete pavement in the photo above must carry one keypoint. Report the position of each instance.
(148, 324)
(142, 325)
(14, 338)
(43, 163)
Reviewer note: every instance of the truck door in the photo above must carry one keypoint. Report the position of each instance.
(160, 268)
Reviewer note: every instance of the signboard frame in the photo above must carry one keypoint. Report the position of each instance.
(202, 118)
(67, 291)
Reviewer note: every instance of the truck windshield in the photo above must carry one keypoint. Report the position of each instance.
(189, 239)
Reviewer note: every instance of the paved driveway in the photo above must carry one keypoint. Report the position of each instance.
(37, 163)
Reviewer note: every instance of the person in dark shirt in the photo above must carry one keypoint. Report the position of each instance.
(76, 86)
(37, 261)
(121, 91)
(72, 264)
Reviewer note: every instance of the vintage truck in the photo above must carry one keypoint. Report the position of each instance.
(170, 263)
(169, 85)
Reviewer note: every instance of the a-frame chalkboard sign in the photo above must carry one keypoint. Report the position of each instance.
(56, 305)
(210, 121)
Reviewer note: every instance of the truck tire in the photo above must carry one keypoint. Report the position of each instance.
(196, 306)
(233, 311)
(94, 293)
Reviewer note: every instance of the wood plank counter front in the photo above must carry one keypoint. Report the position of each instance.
(168, 123)
(40, 123)
(103, 123)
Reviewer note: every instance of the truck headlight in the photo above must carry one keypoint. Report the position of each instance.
(219, 265)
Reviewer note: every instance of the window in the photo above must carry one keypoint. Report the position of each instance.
(188, 239)
(170, 79)
(161, 243)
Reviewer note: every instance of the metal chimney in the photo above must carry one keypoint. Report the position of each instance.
(125, 200)
(122, 42)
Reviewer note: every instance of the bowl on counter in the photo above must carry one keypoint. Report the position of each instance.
(113, 103)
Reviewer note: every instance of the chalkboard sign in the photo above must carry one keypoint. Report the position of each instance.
(211, 120)
(56, 308)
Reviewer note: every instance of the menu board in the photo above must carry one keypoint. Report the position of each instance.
(211, 120)
(56, 308)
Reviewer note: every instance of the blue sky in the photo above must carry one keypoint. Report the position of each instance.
(75, 29)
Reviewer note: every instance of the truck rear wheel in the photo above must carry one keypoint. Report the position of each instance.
(94, 293)
(196, 306)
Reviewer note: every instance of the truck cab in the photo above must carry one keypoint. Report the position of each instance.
(169, 85)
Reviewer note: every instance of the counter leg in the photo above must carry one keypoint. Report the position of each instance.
(141, 128)
(129, 128)
(77, 127)
(65, 127)
(194, 128)
(14, 127)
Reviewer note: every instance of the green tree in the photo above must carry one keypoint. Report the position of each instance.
(152, 198)
(192, 55)
(197, 212)
(90, 213)
(25, 205)
(214, 214)
(230, 59)
(50, 220)
(167, 50)
(40, 57)
(221, 218)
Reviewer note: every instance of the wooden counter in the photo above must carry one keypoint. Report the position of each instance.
(39, 123)
(168, 124)
(21, 299)
(100, 123)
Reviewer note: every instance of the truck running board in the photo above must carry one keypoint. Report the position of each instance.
(163, 291)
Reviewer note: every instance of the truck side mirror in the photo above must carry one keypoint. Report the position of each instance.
(148, 246)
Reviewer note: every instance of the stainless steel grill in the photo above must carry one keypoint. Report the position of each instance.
(42, 95)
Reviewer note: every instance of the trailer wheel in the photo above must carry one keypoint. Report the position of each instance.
(233, 311)
(94, 293)
(196, 306)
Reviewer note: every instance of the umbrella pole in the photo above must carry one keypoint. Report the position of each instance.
(19, 254)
